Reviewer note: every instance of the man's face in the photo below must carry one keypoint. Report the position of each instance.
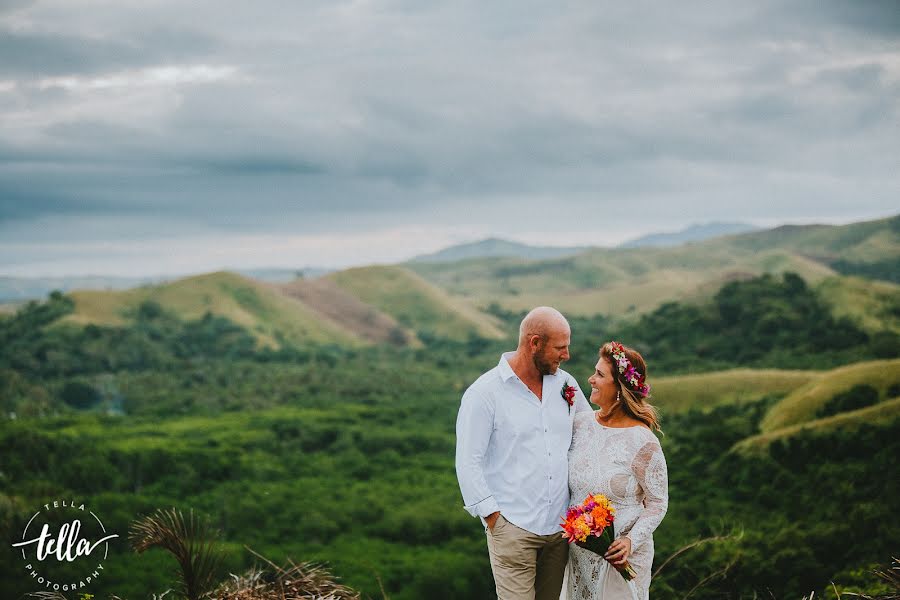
(553, 351)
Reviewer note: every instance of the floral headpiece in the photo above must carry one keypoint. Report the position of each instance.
(627, 370)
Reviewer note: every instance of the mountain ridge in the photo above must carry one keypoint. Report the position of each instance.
(692, 233)
(496, 247)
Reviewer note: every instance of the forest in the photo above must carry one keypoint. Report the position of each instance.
(344, 455)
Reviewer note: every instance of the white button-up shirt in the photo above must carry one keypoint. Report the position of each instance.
(512, 448)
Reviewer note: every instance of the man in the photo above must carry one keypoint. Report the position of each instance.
(513, 434)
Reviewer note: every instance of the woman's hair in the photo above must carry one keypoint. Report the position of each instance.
(634, 403)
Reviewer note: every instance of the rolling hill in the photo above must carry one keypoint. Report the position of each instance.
(883, 413)
(495, 247)
(874, 305)
(415, 303)
(680, 393)
(631, 281)
(338, 305)
(262, 309)
(803, 404)
(804, 394)
(358, 306)
(694, 233)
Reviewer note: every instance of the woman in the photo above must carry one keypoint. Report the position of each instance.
(614, 452)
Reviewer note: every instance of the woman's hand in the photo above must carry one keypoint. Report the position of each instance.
(619, 551)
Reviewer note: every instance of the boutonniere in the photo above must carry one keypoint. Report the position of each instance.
(568, 394)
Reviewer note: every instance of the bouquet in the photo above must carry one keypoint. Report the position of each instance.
(589, 525)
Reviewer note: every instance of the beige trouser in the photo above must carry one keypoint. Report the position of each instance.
(526, 566)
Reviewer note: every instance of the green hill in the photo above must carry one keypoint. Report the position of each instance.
(338, 305)
(882, 413)
(805, 394)
(625, 281)
(873, 305)
(415, 303)
(261, 308)
(803, 404)
(681, 393)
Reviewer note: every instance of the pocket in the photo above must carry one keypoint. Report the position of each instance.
(498, 524)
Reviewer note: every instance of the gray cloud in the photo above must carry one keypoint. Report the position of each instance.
(47, 54)
(345, 117)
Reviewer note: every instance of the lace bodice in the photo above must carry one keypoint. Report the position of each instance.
(627, 465)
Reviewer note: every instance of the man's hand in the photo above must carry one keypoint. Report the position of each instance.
(491, 519)
(619, 551)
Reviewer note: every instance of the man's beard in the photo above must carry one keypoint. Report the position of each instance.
(544, 366)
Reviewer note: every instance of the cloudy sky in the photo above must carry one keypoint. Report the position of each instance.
(161, 136)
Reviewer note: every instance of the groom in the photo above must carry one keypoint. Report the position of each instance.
(513, 434)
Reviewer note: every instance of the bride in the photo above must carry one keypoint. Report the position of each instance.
(614, 452)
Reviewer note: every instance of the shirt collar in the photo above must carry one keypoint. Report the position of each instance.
(506, 372)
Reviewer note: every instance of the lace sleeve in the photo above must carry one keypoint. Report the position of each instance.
(649, 467)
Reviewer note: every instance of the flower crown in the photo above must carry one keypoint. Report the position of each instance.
(627, 370)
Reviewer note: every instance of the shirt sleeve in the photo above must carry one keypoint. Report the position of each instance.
(649, 467)
(474, 427)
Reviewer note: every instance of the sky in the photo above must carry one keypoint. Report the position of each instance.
(160, 137)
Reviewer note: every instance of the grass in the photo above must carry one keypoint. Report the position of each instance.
(681, 393)
(612, 282)
(335, 303)
(881, 413)
(873, 305)
(415, 303)
(801, 405)
(620, 282)
(259, 307)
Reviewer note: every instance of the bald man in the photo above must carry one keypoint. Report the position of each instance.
(513, 434)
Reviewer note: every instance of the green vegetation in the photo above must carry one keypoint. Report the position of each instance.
(344, 454)
(808, 401)
(271, 317)
(762, 322)
(628, 282)
(811, 508)
(859, 396)
(873, 305)
(680, 393)
(847, 422)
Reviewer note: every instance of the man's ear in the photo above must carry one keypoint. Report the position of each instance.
(535, 342)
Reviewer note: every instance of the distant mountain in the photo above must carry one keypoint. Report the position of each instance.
(631, 281)
(694, 233)
(496, 247)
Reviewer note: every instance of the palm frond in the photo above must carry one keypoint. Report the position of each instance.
(293, 581)
(891, 574)
(191, 541)
(46, 595)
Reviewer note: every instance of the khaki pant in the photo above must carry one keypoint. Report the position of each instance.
(526, 566)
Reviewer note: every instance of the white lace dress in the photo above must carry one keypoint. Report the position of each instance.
(627, 466)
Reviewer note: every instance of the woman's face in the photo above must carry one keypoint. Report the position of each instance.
(603, 385)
